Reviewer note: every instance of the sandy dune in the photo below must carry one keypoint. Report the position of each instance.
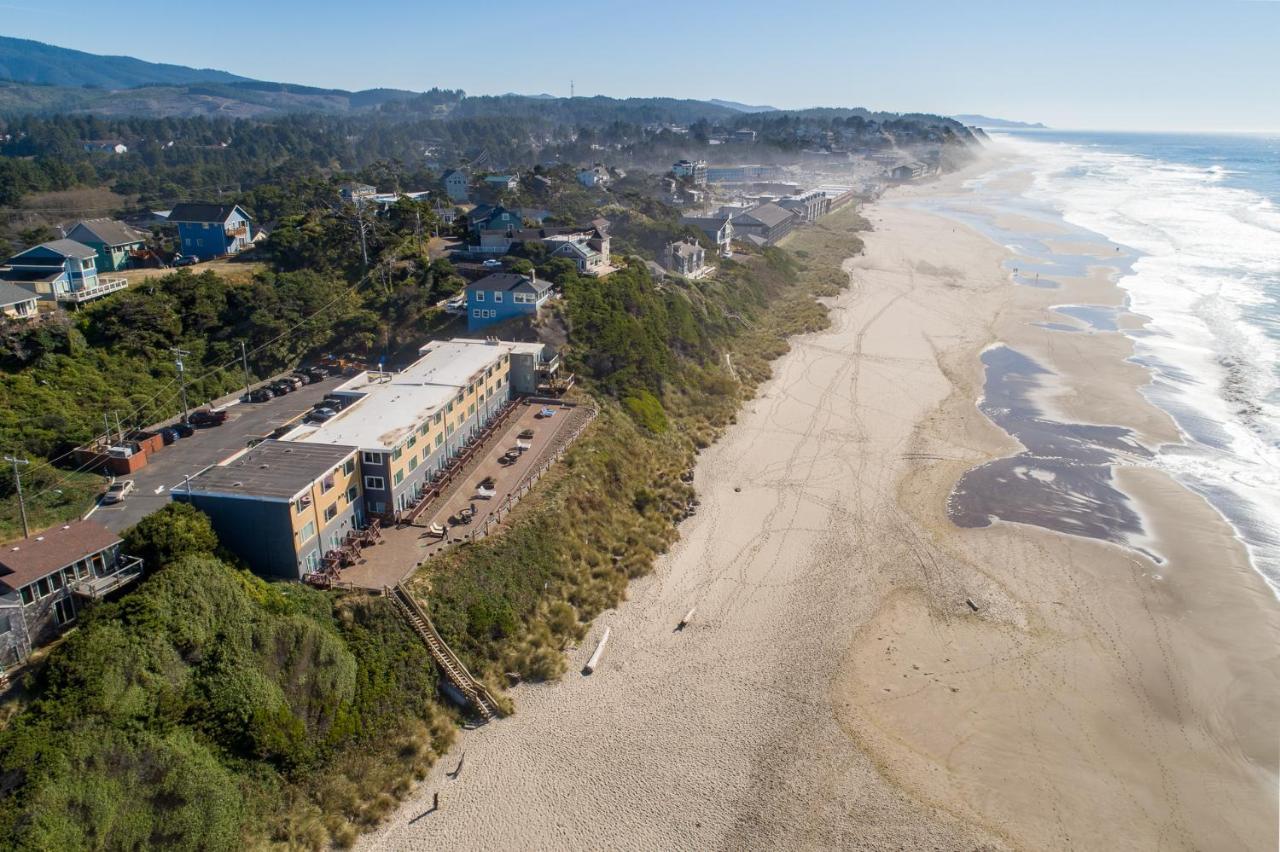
(836, 689)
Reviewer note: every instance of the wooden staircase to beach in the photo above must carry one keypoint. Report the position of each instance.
(476, 693)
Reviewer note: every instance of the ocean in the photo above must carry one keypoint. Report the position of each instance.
(1195, 222)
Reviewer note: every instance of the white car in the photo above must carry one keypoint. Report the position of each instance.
(117, 491)
(492, 264)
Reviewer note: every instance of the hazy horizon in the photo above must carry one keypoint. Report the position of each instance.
(1146, 66)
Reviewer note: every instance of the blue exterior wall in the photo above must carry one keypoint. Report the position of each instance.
(209, 239)
(503, 310)
(258, 531)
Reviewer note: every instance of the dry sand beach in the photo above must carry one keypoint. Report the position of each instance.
(864, 673)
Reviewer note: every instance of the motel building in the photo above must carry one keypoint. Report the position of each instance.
(280, 506)
(284, 505)
(408, 425)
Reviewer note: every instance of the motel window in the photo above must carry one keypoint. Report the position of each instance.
(55, 580)
(477, 313)
(497, 297)
(479, 295)
(300, 505)
(471, 409)
(308, 532)
(397, 453)
(350, 467)
(413, 462)
(42, 587)
(330, 513)
(375, 483)
(28, 596)
(413, 439)
(399, 477)
(326, 484)
(422, 430)
(439, 439)
(436, 419)
(373, 458)
(352, 494)
(69, 574)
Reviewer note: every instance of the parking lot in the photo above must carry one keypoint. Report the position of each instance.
(166, 470)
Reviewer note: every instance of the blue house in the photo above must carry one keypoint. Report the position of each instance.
(486, 217)
(61, 271)
(211, 230)
(503, 296)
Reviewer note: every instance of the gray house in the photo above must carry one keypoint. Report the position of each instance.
(455, 185)
(46, 579)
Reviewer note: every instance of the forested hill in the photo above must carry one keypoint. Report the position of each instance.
(25, 61)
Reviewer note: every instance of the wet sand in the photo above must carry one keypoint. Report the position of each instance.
(864, 673)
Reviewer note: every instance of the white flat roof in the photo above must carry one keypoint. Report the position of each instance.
(393, 404)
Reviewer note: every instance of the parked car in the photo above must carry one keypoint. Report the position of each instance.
(282, 387)
(205, 417)
(302, 377)
(261, 395)
(183, 430)
(293, 380)
(337, 403)
(317, 373)
(185, 260)
(168, 435)
(321, 414)
(526, 434)
(118, 490)
(492, 263)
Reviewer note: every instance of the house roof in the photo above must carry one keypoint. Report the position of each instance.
(109, 231)
(13, 295)
(32, 276)
(27, 560)
(272, 469)
(768, 215)
(63, 248)
(201, 211)
(684, 248)
(506, 281)
(454, 173)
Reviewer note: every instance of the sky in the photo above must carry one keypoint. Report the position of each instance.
(1182, 65)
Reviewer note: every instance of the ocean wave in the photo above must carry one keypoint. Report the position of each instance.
(1208, 277)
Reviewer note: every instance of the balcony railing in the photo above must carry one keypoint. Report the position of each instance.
(128, 569)
(105, 284)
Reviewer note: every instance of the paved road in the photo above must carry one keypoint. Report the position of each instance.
(188, 456)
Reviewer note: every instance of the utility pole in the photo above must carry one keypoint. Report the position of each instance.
(417, 228)
(182, 378)
(364, 245)
(119, 428)
(17, 481)
(244, 361)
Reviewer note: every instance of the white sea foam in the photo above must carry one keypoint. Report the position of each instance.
(1209, 253)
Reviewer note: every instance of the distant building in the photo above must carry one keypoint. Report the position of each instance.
(810, 206)
(455, 186)
(744, 135)
(114, 242)
(281, 505)
(487, 217)
(695, 170)
(106, 146)
(504, 183)
(741, 174)
(719, 229)
(589, 254)
(504, 296)
(686, 257)
(354, 193)
(765, 225)
(62, 271)
(211, 230)
(594, 176)
(910, 171)
(17, 302)
(45, 581)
